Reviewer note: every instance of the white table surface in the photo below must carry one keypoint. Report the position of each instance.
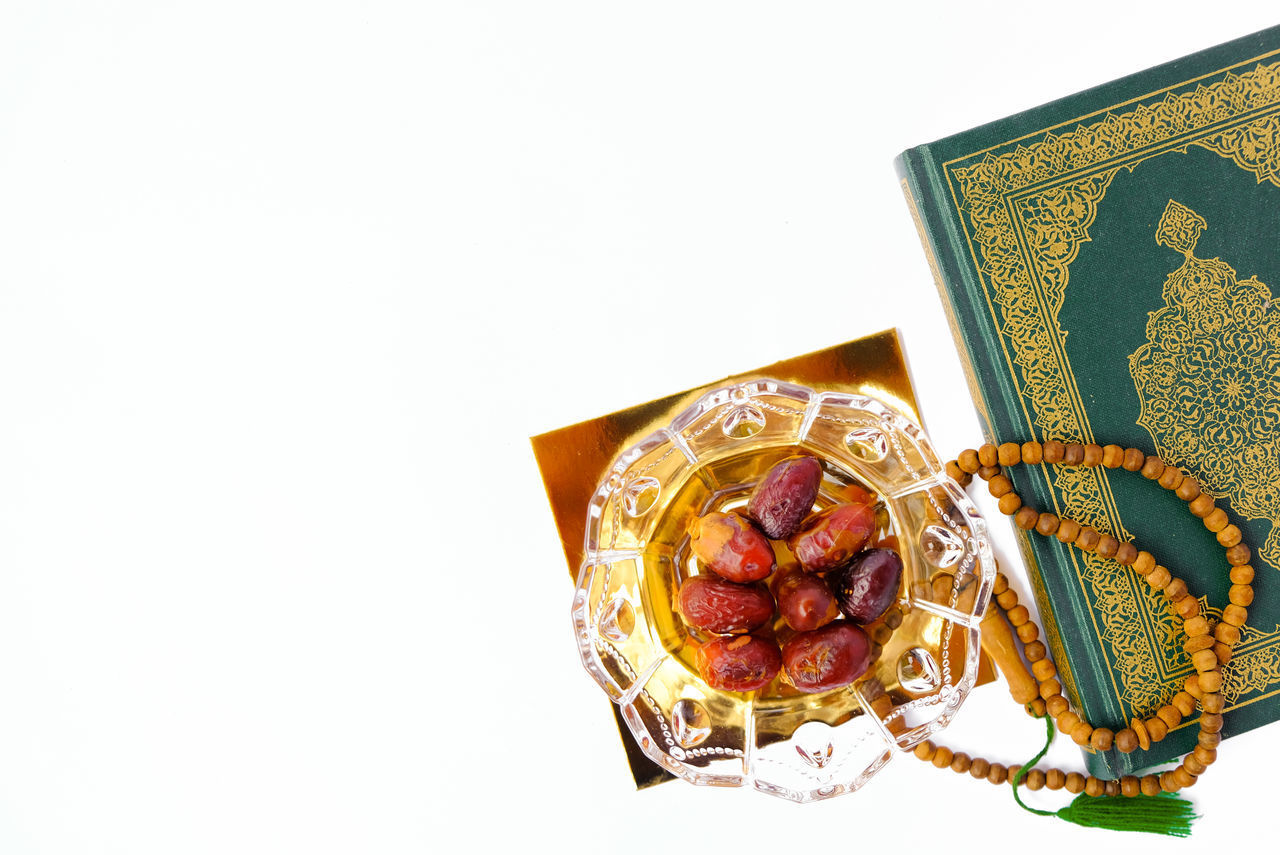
(284, 290)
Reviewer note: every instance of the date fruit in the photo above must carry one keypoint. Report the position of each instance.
(805, 601)
(710, 603)
(741, 664)
(868, 586)
(785, 495)
(826, 658)
(833, 536)
(732, 547)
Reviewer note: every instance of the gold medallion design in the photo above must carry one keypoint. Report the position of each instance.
(1208, 378)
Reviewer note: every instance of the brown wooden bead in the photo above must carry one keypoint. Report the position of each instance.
(1211, 722)
(1067, 721)
(1035, 780)
(1204, 660)
(1068, 531)
(1192, 687)
(1171, 477)
(1126, 741)
(1159, 577)
(1009, 504)
(1230, 536)
(1102, 739)
(1208, 739)
(1047, 524)
(1196, 643)
(999, 486)
(1036, 708)
(1193, 765)
(1133, 459)
(1187, 607)
(1111, 788)
(1216, 521)
(957, 474)
(1094, 786)
(1241, 595)
(1175, 589)
(1049, 688)
(1073, 454)
(1018, 615)
(943, 756)
(1034, 651)
(1188, 489)
(1000, 585)
(1112, 456)
(1194, 627)
(1126, 554)
(998, 773)
(1009, 453)
(1223, 652)
(1043, 670)
(1170, 715)
(1028, 632)
(1026, 518)
(1234, 615)
(1201, 506)
(1156, 728)
(1227, 634)
(1144, 563)
(1184, 703)
(981, 766)
(1205, 755)
(1007, 599)
(1150, 785)
(988, 455)
(961, 762)
(986, 473)
(1239, 555)
(1088, 539)
(1075, 783)
(1055, 779)
(1081, 733)
(1130, 786)
(1107, 546)
(925, 750)
(1241, 574)
(1140, 731)
(1152, 468)
(1168, 783)
(1183, 777)
(1053, 451)
(1212, 702)
(1032, 452)
(968, 461)
(1014, 769)
(1092, 455)
(1056, 705)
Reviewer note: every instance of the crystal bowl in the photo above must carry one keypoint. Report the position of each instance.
(801, 747)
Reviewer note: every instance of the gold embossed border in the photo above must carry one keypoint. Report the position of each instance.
(1026, 208)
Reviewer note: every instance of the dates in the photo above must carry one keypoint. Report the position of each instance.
(868, 585)
(834, 536)
(741, 664)
(826, 658)
(805, 601)
(730, 546)
(711, 604)
(785, 495)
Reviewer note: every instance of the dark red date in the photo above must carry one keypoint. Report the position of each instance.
(826, 658)
(833, 536)
(729, 545)
(784, 497)
(741, 664)
(805, 601)
(710, 603)
(868, 585)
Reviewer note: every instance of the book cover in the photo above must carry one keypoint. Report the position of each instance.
(1107, 263)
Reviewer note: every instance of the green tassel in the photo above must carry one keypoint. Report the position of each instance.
(1162, 814)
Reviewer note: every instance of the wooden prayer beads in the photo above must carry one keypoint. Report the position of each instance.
(1209, 651)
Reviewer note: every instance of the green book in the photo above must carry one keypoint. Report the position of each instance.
(1107, 262)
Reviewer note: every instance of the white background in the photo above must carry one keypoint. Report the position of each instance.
(285, 288)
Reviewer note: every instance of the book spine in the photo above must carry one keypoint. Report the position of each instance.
(989, 371)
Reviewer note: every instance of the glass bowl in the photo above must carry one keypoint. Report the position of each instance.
(801, 747)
